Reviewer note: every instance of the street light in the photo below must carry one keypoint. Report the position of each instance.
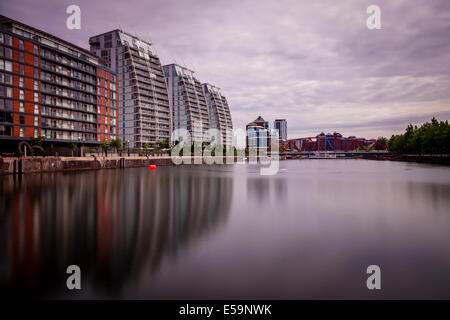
(128, 145)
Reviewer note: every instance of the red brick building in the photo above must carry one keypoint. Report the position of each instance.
(52, 88)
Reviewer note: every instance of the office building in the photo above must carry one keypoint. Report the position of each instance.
(281, 126)
(258, 134)
(52, 88)
(144, 111)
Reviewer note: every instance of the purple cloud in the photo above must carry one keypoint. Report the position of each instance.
(312, 62)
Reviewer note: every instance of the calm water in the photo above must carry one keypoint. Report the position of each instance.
(226, 232)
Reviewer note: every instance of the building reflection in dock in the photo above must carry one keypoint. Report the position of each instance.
(112, 223)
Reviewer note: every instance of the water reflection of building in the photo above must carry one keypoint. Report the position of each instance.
(111, 223)
(266, 190)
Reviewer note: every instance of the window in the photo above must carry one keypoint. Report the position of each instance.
(6, 78)
(36, 97)
(21, 94)
(36, 133)
(20, 44)
(21, 132)
(22, 119)
(8, 66)
(35, 49)
(36, 109)
(8, 53)
(21, 57)
(36, 121)
(21, 108)
(21, 69)
(21, 82)
(36, 85)
(8, 40)
(9, 92)
(1, 38)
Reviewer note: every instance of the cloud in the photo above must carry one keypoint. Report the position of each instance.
(312, 62)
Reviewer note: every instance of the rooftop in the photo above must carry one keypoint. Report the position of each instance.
(9, 23)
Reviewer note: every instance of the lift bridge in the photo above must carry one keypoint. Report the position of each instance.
(333, 144)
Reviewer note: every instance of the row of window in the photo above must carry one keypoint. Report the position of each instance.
(7, 105)
(6, 39)
(8, 93)
(66, 135)
(108, 84)
(6, 65)
(67, 61)
(67, 103)
(67, 82)
(68, 72)
(48, 88)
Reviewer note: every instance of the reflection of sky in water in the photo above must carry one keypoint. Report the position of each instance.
(227, 232)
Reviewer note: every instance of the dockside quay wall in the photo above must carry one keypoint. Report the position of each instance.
(48, 164)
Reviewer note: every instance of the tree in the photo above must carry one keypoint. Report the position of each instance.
(163, 144)
(105, 147)
(431, 137)
(116, 144)
(381, 143)
(36, 141)
(145, 145)
(72, 146)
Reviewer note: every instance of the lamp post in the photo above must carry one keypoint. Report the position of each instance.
(128, 145)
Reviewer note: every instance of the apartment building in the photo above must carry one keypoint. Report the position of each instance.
(52, 88)
(219, 113)
(144, 110)
(188, 102)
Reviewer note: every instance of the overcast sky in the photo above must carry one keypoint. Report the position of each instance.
(313, 62)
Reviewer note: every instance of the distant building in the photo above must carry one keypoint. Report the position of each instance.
(144, 113)
(331, 142)
(281, 126)
(258, 133)
(187, 101)
(219, 113)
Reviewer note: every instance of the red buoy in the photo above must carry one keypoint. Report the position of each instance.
(152, 166)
